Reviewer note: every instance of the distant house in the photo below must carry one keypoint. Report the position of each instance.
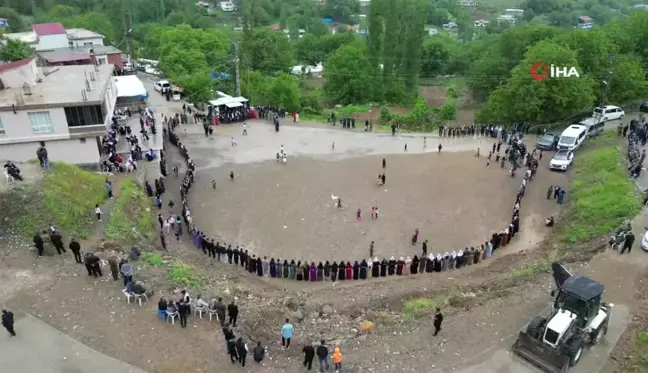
(431, 31)
(450, 26)
(480, 23)
(585, 22)
(275, 27)
(517, 13)
(468, 4)
(227, 6)
(506, 18)
(364, 2)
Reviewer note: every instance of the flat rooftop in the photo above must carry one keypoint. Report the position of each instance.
(76, 54)
(62, 86)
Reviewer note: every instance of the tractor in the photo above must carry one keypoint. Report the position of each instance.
(578, 319)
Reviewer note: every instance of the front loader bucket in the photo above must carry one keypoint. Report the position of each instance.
(540, 355)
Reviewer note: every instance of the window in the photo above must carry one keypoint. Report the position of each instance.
(87, 44)
(77, 116)
(2, 130)
(41, 122)
(70, 43)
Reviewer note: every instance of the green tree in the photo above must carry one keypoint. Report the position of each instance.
(523, 98)
(435, 54)
(349, 79)
(15, 21)
(175, 18)
(627, 82)
(283, 91)
(340, 10)
(266, 50)
(15, 50)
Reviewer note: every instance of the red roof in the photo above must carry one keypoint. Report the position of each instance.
(585, 18)
(48, 29)
(15, 64)
(276, 26)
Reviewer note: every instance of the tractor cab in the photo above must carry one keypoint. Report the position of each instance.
(577, 294)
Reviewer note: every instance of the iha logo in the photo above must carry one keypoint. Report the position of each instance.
(542, 70)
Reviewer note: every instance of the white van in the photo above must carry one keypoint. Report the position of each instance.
(573, 137)
(609, 112)
(162, 86)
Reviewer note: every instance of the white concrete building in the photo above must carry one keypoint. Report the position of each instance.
(68, 107)
(468, 4)
(227, 6)
(50, 36)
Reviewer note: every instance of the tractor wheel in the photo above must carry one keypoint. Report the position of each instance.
(574, 349)
(536, 326)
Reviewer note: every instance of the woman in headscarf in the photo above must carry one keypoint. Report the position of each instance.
(459, 259)
(423, 263)
(356, 270)
(415, 265)
(446, 259)
(453, 259)
(279, 268)
(391, 267)
(477, 256)
(505, 237)
(489, 249)
(300, 271)
(320, 271)
(342, 272)
(383, 268)
(291, 271)
(334, 271)
(399, 266)
(273, 268)
(375, 268)
(348, 271)
(363, 270)
(306, 271)
(313, 272)
(369, 267)
(252, 265)
(468, 255)
(327, 270)
(266, 266)
(286, 269)
(259, 267)
(429, 263)
(484, 250)
(407, 266)
(438, 263)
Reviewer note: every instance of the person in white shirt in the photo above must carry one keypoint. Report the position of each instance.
(200, 302)
(98, 212)
(244, 129)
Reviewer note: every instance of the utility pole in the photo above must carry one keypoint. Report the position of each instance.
(237, 60)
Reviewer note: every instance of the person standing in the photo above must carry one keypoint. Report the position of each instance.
(627, 243)
(358, 215)
(438, 319)
(371, 249)
(322, 355)
(244, 129)
(8, 322)
(109, 189)
(38, 242)
(405, 149)
(231, 175)
(114, 267)
(76, 250)
(41, 154)
(384, 163)
(183, 311)
(440, 147)
(232, 311)
(57, 241)
(309, 354)
(98, 212)
(286, 333)
(241, 350)
(258, 353)
(127, 272)
(337, 359)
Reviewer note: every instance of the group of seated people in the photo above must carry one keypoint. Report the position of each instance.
(363, 269)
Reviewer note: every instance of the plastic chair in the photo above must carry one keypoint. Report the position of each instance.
(8, 177)
(128, 295)
(138, 297)
(171, 316)
(212, 313)
(200, 310)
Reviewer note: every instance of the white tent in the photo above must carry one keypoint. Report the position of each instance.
(129, 86)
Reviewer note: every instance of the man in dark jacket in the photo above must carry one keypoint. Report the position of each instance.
(309, 354)
(322, 355)
(8, 322)
(38, 242)
(220, 311)
(76, 249)
(627, 244)
(232, 311)
(259, 352)
(57, 241)
(93, 265)
(438, 319)
(241, 350)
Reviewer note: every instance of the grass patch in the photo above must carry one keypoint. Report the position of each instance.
(131, 219)
(66, 197)
(182, 274)
(641, 352)
(419, 307)
(602, 196)
(531, 269)
(154, 259)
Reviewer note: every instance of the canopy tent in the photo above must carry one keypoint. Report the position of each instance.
(129, 86)
(228, 100)
(232, 105)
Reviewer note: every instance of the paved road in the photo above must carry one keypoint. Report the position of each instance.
(39, 348)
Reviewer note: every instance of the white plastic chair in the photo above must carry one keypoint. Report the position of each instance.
(138, 297)
(200, 310)
(128, 295)
(8, 177)
(212, 313)
(171, 316)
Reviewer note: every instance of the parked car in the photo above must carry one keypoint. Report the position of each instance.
(644, 241)
(643, 107)
(548, 141)
(609, 112)
(561, 160)
(162, 85)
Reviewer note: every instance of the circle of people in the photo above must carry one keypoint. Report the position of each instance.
(365, 268)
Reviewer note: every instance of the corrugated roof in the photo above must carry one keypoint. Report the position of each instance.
(42, 29)
(15, 64)
(81, 33)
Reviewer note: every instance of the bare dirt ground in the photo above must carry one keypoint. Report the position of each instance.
(486, 309)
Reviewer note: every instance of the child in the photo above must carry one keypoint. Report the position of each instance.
(358, 215)
(158, 202)
(405, 147)
(373, 214)
(376, 212)
(244, 129)
(98, 212)
(214, 185)
(337, 359)
(233, 142)
(232, 175)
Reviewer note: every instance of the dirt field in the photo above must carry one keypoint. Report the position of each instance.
(287, 212)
